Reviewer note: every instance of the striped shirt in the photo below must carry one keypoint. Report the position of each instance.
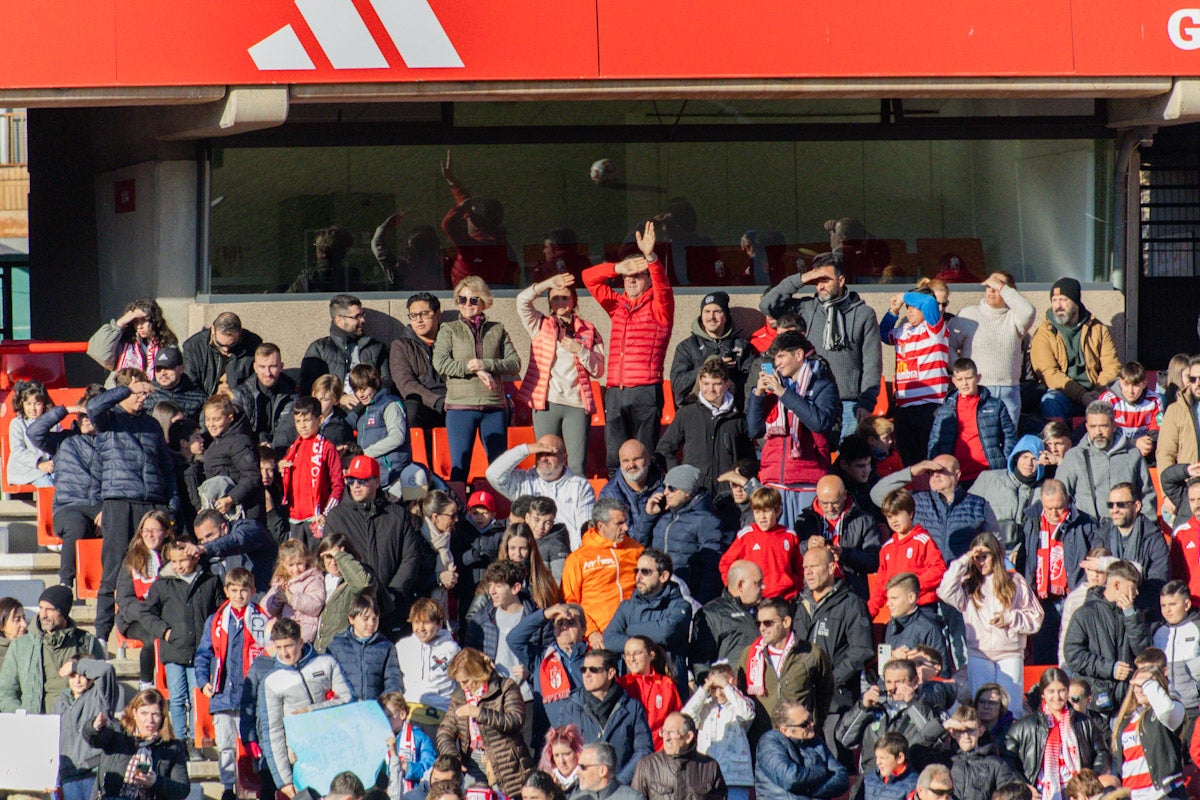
(1135, 771)
(922, 363)
(1135, 419)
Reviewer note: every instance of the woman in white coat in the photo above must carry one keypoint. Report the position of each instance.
(723, 715)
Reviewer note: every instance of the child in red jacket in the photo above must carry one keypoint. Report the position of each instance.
(774, 548)
(911, 549)
(311, 473)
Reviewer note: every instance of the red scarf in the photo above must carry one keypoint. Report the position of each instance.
(756, 665)
(254, 638)
(1051, 566)
(1061, 761)
(472, 699)
(132, 356)
(553, 677)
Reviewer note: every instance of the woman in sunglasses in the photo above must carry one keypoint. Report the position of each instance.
(1053, 744)
(473, 354)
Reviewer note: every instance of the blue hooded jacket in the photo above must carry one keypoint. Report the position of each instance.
(1009, 495)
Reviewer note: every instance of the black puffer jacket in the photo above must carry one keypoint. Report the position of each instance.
(841, 626)
(1025, 744)
(721, 630)
(269, 412)
(76, 468)
(330, 355)
(389, 542)
(711, 444)
(1099, 635)
(858, 536)
(687, 776)
(169, 763)
(182, 608)
(185, 394)
(693, 351)
(205, 365)
(920, 724)
(980, 772)
(134, 462)
(234, 456)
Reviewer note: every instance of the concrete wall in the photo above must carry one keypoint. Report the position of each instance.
(294, 324)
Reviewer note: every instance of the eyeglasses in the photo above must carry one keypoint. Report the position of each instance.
(768, 623)
(593, 670)
(468, 301)
(451, 515)
(1193, 378)
(940, 792)
(646, 571)
(420, 314)
(808, 723)
(1120, 503)
(357, 481)
(581, 765)
(356, 317)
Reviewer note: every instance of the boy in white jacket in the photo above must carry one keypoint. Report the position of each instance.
(424, 657)
(723, 715)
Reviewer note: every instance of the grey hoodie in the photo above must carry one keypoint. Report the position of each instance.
(77, 758)
(1120, 463)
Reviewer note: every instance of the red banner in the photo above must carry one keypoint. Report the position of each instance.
(84, 43)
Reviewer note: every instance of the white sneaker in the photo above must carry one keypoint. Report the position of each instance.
(143, 685)
(54, 548)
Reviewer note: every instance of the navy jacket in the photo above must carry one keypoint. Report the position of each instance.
(873, 786)
(371, 667)
(481, 631)
(786, 769)
(626, 729)
(228, 696)
(529, 642)
(953, 526)
(691, 535)
(76, 468)
(920, 626)
(665, 617)
(252, 721)
(248, 544)
(1078, 535)
(997, 433)
(1146, 547)
(135, 464)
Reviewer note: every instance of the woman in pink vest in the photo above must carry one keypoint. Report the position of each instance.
(565, 355)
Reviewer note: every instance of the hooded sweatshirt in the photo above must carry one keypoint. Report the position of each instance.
(1008, 492)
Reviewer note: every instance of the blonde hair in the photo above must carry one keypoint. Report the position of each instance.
(330, 385)
(288, 552)
(477, 285)
(147, 697)
(470, 664)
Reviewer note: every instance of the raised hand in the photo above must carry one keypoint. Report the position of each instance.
(646, 240)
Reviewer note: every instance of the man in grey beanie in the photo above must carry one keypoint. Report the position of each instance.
(680, 521)
(31, 677)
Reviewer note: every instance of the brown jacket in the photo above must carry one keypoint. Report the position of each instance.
(501, 718)
(689, 776)
(806, 677)
(456, 345)
(1179, 434)
(1048, 355)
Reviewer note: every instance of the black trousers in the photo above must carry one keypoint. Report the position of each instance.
(632, 412)
(72, 523)
(913, 426)
(121, 518)
(135, 630)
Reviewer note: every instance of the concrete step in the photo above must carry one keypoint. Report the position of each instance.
(30, 565)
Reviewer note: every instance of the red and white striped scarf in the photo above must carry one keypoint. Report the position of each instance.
(473, 699)
(756, 664)
(780, 421)
(1061, 761)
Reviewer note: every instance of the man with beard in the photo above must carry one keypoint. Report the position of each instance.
(1102, 460)
(1072, 353)
(265, 399)
(550, 477)
(173, 385)
(603, 712)
(843, 329)
(713, 337)
(345, 347)
(635, 481)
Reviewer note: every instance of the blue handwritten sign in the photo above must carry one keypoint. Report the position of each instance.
(331, 740)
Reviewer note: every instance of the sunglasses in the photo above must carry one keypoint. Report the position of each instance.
(357, 481)
(1193, 378)
(808, 723)
(768, 623)
(468, 301)
(1120, 504)
(587, 766)
(941, 792)
(646, 571)
(1076, 699)
(593, 670)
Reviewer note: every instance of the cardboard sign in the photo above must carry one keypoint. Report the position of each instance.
(331, 740)
(29, 757)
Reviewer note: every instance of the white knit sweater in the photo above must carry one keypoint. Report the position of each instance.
(999, 333)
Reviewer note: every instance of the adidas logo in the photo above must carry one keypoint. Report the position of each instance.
(345, 40)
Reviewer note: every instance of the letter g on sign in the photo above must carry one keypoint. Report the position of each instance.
(1183, 28)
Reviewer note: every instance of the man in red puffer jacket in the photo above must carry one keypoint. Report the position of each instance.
(642, 318)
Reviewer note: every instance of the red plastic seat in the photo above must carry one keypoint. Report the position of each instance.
(45, 517)
(88, 568)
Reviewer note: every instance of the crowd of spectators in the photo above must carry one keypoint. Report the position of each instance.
(709, 624)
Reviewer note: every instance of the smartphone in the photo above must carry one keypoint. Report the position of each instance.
(884, 655)
(143, 768)
(767, 368)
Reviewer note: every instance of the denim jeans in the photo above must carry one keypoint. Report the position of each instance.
(461, 425)
(79, 788)
(181, 681)
(1011, 397)
(1057, 404)
(849, 418)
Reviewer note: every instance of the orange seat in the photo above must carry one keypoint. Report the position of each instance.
(598, 393)
(416, 441)
(1158, 490)
(521, 434)
(48, 368)
(668, 412)
(884, 615)
(203, 731)
(881, 403)
(160, 674)
(1033, 674)
(125, 643)
(598, 484)
(45, 517)
(442, 461)
(88, 568)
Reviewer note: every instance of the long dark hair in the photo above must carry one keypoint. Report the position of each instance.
(162, 334)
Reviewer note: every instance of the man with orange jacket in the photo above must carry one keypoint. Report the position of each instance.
(600, 574)
(642, 318)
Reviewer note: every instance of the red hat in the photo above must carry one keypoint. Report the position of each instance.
(363, 467)
(482, 498)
